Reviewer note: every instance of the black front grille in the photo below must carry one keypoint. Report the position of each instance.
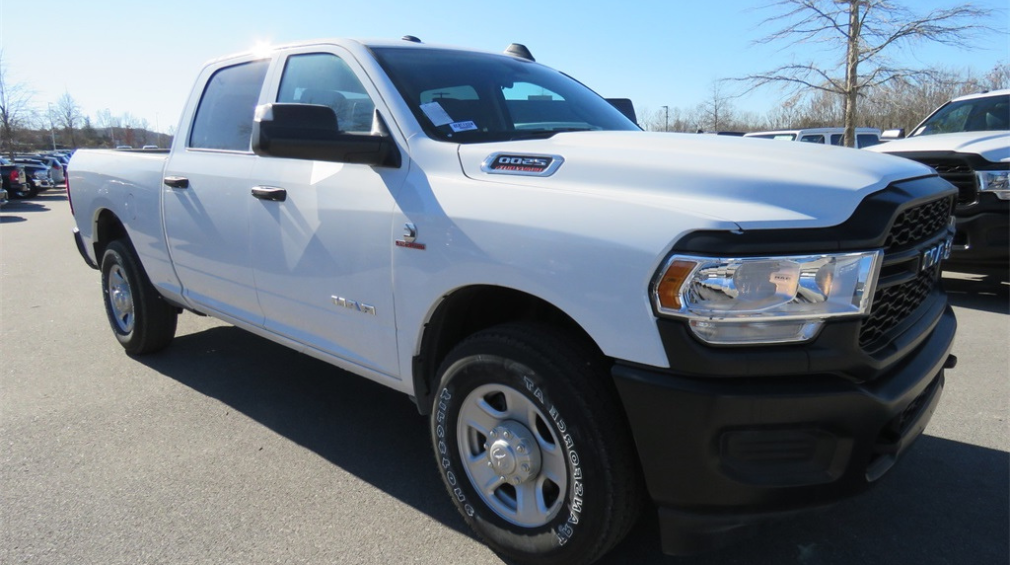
(957, 172)
(894, 304)
(915, 225)
(904, 285)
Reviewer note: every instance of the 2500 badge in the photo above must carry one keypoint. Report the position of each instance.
(529, 165)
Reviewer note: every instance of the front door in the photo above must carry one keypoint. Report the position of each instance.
(322, 232)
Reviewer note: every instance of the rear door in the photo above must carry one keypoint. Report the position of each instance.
(207, 194)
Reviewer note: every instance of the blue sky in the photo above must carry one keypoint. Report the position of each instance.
(142, 57)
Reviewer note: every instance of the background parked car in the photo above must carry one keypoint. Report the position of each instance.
(57, 168)
(37, 177)
(14, 178)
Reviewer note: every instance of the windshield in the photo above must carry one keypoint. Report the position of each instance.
(468, 97)
(990, 113)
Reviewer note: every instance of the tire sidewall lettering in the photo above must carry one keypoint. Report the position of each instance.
(565, 531)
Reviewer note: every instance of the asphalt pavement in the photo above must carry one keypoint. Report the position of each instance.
(226, 448)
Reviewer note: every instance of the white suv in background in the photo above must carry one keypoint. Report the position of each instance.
(865, 137)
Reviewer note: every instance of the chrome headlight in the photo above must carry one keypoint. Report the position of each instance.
(997, 182)
(752, 300)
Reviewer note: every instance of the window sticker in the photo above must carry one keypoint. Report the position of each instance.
(436, 113)
(463, 126)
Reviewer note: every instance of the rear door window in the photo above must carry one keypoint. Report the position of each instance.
(224, 117)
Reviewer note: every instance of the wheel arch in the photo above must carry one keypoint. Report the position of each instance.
(471, 309)
(107, 228)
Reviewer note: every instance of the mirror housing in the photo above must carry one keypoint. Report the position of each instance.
(892, 134)
(310, 132)
(626, 107)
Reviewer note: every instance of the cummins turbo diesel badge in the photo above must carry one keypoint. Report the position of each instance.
(514, 164)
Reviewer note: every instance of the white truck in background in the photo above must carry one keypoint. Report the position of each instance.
(592, 317)
(967, 141)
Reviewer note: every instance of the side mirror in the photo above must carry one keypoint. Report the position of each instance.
(892, 134)
(626, 107)
(308, 131)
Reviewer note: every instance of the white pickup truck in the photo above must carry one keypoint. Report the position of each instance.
(967, 141)
(591, 316)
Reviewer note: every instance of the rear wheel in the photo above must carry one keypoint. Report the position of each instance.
(141, 320)
(26, 191)
(533, 446)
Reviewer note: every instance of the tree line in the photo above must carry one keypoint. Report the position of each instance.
(25, 126)
(895, 104)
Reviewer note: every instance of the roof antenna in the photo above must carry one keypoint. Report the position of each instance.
(411, 39)
(519, 50)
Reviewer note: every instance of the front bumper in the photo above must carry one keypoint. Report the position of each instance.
(982, 239)
(721, 454)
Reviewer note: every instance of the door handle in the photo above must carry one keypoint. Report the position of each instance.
(177, 182)
(270, 193)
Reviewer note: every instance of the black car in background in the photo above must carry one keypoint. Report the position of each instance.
(37, 177)
(15, 181)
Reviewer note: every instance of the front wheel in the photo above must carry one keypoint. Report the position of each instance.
(141, 320)
(533, 447)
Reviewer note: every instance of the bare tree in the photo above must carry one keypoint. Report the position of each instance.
(717, 112)
(999, 77)
(666, 118)
(865, 30)
(110, 124)
(16, 111)
(68, 114)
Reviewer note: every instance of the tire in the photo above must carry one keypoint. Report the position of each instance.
(539, 410)
(141, 320)
(29, 191)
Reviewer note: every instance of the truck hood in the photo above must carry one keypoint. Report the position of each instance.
(993, 146)
(754, 183)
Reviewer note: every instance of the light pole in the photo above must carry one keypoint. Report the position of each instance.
(52, 128)
(666, 127)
